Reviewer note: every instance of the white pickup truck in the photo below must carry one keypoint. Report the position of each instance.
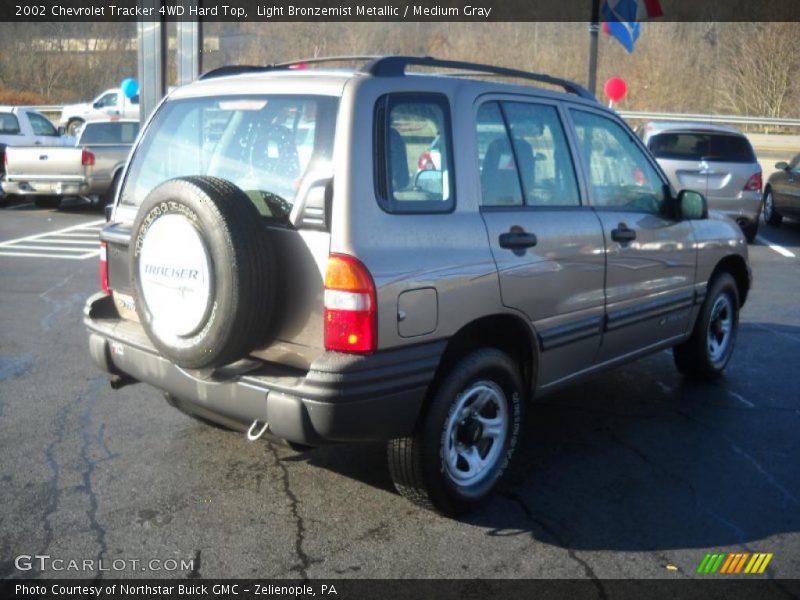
(91, 167)
(21, 126)
(111, 103)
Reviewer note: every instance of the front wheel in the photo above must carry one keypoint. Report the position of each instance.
(467, 438)
(706, 353)
(771, 216)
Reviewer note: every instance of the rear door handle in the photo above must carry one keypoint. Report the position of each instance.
(623, 234)
(517, 240)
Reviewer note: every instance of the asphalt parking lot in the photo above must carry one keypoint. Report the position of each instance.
(635, 473)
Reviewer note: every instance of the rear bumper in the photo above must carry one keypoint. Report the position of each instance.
(745, 206)
(34, 187)
(341, 398)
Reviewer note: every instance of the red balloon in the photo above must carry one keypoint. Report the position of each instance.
(616, 88)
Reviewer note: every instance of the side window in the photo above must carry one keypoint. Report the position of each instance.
(41, 126)
(542, 155)
(500, 183)
(620, 175)
(9, 125)
(413, 160)
(107, 100)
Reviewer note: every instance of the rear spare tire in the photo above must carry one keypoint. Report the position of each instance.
(202, 271)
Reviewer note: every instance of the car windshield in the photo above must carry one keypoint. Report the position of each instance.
(719, 147)
(109, 133)
(265, 145)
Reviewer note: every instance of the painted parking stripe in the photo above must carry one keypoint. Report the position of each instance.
(776, 248)
(77, 242)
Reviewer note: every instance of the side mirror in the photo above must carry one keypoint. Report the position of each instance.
(429, 181)
(782, 166)
(97, 104)
(693, 205)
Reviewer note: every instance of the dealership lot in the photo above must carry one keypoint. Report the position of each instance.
(635, 473)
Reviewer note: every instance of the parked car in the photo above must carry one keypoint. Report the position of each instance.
(782, 193)
(21, 126)
(92, 167)
(111, 103)
(325, 300)
(715, 160)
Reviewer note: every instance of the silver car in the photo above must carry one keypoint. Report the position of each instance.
(713, 159)
(341, 294)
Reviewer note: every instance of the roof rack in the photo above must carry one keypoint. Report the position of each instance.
(241, 69)
(395, 66)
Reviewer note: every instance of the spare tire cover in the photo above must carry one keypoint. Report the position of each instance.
(202, 272)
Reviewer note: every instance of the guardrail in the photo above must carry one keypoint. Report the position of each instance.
(700, 118)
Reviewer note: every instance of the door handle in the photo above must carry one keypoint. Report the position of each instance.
(517, 240)
(623, 234)
(37, 143)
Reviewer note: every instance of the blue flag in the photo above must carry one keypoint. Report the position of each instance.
(621, 21)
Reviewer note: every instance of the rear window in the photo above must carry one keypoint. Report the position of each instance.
(109, 133)
(265, 145)
(9, 125)
(699, 146)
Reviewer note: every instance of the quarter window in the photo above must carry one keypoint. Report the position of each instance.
(413, 165)
(620, 175)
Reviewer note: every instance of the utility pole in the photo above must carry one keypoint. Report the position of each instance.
(594, 33)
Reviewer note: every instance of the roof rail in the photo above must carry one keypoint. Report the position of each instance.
(395, 66)
(326, 59)
(240, 69)
(232, 70)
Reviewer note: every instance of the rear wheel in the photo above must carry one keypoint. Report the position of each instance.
(707, 352)
(771, 216)
(72, 127)
(464, 443)
(750, 231)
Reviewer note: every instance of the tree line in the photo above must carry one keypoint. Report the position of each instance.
(724, 68)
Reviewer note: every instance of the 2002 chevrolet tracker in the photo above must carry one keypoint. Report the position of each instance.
(286, 257)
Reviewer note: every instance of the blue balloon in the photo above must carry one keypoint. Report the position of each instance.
(129, 87)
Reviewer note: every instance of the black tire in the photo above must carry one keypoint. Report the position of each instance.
(47, 201)
(72, 127)
(750, 231)
(234, 302)
(696, 358)
(771, 215)
(108, 197)
(419, 468)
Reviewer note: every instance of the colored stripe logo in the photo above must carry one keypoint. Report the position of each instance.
(735, 563)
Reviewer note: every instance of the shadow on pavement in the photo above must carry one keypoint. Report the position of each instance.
(640, 459)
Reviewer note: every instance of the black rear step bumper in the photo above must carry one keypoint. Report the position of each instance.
(341, 398)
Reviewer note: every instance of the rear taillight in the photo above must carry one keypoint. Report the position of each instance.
(104, 268)
(87, 159)
(754, 183)
(350, 302)
(425, 162)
